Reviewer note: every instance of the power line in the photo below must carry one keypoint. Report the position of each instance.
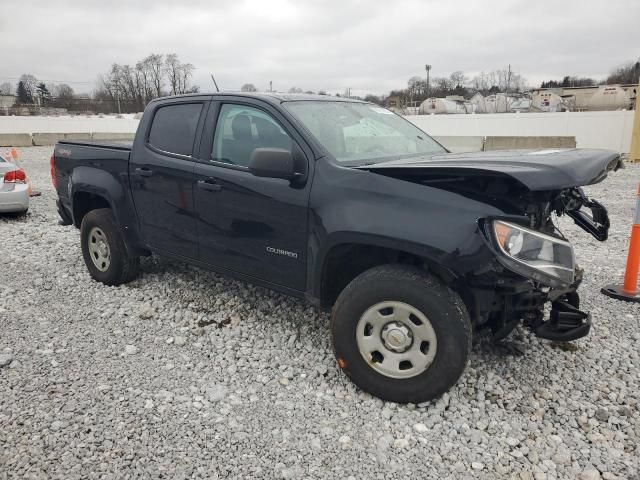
(52, 81)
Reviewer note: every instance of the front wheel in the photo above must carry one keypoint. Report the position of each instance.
(400, 334)
(104, 250)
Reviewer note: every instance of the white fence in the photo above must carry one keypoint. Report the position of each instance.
(67, 125)
(591, 129)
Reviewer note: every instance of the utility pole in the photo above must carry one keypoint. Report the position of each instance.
(118, 95)
(506, 94)
(271, 85)
(428, 69)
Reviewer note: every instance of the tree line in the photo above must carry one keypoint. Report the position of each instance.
(31, 91)
(504, 80)
(627, 73)
(130, 88)
(124, 89)
(420, 88)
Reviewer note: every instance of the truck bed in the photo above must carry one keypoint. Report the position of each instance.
(89, 166)
(113, 144)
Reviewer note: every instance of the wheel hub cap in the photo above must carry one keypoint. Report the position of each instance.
(396, 337)
(99, 250)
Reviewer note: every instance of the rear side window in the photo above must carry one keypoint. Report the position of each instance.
(174, 128)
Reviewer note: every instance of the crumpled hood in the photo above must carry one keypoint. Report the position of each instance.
(538, 170)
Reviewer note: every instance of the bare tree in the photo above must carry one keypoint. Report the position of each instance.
(143, 80)
(30, 84)
(154, 65)
(136, 85)
(458, 79)
(248, 87)
(6, 88)
(62, 90)
(626, 73)
(172, 67)
(414, 86)
(185, 74)
(497, 81)
(63, 96)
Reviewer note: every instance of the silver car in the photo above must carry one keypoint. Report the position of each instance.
(14, 187)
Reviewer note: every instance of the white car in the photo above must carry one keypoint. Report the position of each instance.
(14, 188)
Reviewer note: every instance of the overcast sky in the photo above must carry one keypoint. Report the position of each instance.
(368, 45)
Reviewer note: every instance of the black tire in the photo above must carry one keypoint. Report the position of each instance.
(445, 311)
(20, 214)
(122, 267)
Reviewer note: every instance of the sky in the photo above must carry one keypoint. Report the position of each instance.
(366, 45)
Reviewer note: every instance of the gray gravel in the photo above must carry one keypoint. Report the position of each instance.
(184, 373)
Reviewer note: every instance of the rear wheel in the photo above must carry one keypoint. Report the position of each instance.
(400, 334)
(104, 250)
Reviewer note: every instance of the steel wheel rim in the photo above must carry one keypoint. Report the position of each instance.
(99, 250)
(396, 339)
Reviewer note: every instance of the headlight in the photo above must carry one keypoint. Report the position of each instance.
(535, 255)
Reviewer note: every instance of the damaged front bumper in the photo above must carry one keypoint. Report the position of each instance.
(566, 323)
(505, 307)
(522, 290)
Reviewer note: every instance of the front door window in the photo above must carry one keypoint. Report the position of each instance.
(241, 129)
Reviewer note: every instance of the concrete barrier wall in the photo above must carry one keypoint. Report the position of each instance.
(67, 124)
(509, 143)
(591, 129)
(41, 139)
(53, 138)
(461, 144)
(112, 136)
(15, 140)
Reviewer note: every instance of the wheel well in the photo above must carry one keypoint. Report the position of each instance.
(346, 261)
(84, 202)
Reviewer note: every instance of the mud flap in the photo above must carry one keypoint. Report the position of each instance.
(64, 216)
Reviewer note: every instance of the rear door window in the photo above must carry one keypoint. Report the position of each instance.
(174, 127)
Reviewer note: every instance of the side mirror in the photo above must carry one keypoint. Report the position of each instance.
(273, 163)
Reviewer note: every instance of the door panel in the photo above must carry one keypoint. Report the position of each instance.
(162, 178)
(251, 225)
(163, 194)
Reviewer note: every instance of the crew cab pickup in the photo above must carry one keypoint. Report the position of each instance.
(353, 208)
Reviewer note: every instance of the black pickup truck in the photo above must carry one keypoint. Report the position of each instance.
(353, 208)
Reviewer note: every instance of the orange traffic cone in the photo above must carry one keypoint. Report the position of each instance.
(629, 289)
(14, 153)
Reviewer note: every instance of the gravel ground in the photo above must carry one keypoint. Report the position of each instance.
(184, 373)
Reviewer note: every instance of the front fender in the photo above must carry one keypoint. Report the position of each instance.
(354, 206)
